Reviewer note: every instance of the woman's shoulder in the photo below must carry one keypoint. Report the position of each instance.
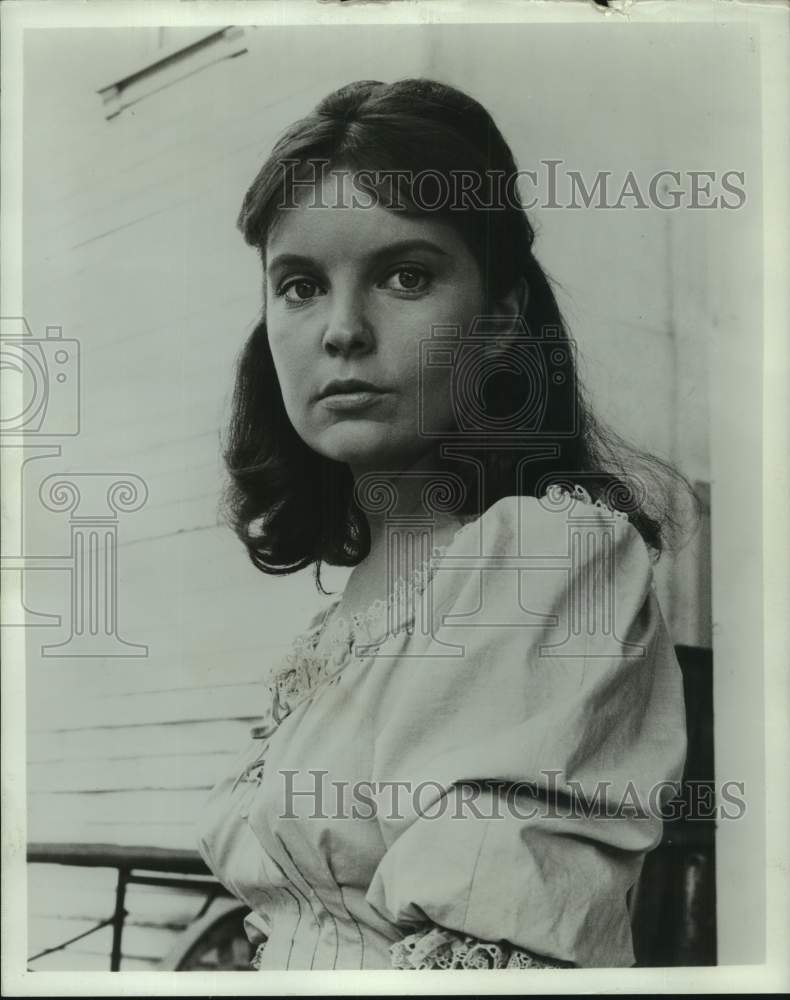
(565, 543)
(518, 524)
(557, 554)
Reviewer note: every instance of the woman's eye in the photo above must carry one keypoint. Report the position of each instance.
(408, 279)
(298, 290)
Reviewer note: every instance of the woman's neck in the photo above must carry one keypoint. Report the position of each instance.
(403, 503)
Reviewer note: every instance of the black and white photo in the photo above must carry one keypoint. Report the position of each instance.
(388, 495)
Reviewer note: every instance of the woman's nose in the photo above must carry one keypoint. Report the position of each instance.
(348, 330)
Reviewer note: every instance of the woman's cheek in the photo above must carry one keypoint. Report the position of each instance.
(435, 399)
(289, 346)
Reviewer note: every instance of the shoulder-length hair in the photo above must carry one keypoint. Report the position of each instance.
(292, 507)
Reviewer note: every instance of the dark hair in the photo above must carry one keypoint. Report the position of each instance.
(292, 507)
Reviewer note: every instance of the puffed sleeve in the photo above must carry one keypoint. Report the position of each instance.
(533, 734)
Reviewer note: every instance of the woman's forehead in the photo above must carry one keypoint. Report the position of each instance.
(341, 216)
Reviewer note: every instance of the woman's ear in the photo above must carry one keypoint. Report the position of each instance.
(508, 310)
(513, 304)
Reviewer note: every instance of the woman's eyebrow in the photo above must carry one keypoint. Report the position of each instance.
(282, 260)
(407, 246)
(290, 260)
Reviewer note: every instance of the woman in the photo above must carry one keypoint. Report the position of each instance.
(440, 775)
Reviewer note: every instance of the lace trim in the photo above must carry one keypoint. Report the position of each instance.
(304, 668)
(438, 948)
(557, 493)
(442, 949)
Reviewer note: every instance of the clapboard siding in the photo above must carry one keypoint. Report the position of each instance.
(134, 743)
(232, 700)
(130, 246)
(169, 771)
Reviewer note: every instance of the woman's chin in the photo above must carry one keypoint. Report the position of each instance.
(362, 448)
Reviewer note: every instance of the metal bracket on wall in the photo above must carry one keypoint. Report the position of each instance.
(170, 69)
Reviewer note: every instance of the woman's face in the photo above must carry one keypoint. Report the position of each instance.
(351, 293)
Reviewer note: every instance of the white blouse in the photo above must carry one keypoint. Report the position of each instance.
(413, 795)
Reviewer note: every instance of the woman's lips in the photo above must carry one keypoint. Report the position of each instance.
(356, 399)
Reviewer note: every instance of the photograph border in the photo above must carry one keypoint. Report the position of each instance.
(732, 495)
